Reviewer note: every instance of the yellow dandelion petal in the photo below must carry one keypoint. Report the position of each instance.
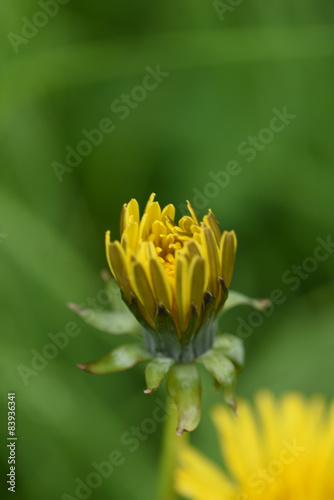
(154, 213)
(129, 213)
(107, 243)
(197, 237)
(228, 248)
(141, 252)
(193, 249)
(193, 213)
(211, 221)
(159, 230)
(148, 251)
(235, 444)
(200, 479)
(211, 254)
(143, 227)
(133, 210)
(143, 289)
(269, 420)
(198, 281)
(161, 286)
(284, 449)
(185, 223)
(182, 291)
(292, 412)
(149, 203)
(123, 219)
(130, 236)
(195, 229)
(170, 224)
(118, 263)
(169, 210)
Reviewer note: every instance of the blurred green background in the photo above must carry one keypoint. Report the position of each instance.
(225, 78)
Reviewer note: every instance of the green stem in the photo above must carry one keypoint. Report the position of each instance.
(170, 445)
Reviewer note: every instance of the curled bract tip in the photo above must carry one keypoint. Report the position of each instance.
(73, 307)
(179, 431)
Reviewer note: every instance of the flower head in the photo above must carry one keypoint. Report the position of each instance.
(174, 281)
(284, 450)
(173, 274)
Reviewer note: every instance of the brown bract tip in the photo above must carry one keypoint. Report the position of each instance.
(81, 367)
(105, 275)
(263, 303)
(73, 307)
(179, 431)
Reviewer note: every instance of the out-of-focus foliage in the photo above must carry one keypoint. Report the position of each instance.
(225, 78)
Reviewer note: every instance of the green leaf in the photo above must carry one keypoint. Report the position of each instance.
(232, 347)
(119, 359)
(155, 372)
(238, 299)
(224, 372)
(112, 322)
(185, 390)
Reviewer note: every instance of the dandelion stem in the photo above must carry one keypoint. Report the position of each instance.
(170, 444)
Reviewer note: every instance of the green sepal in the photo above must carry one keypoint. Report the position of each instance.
(223, 370)
(193, 320)
(167, 334)
(206, 331)
(188, 338)
(119, 359)
(134, 309)
(184, 388)
(164, 341)
(238, 299)
(112, 322)
(155, 372)
(209, 309)
(232, 347)
(224, 295)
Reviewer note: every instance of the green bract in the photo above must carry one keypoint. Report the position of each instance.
(168, 355)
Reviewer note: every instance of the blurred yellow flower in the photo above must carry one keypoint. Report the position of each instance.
(177, 268)
(282, 451)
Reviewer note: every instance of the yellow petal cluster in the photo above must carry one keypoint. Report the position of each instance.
(283, 451)
(159, 261)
